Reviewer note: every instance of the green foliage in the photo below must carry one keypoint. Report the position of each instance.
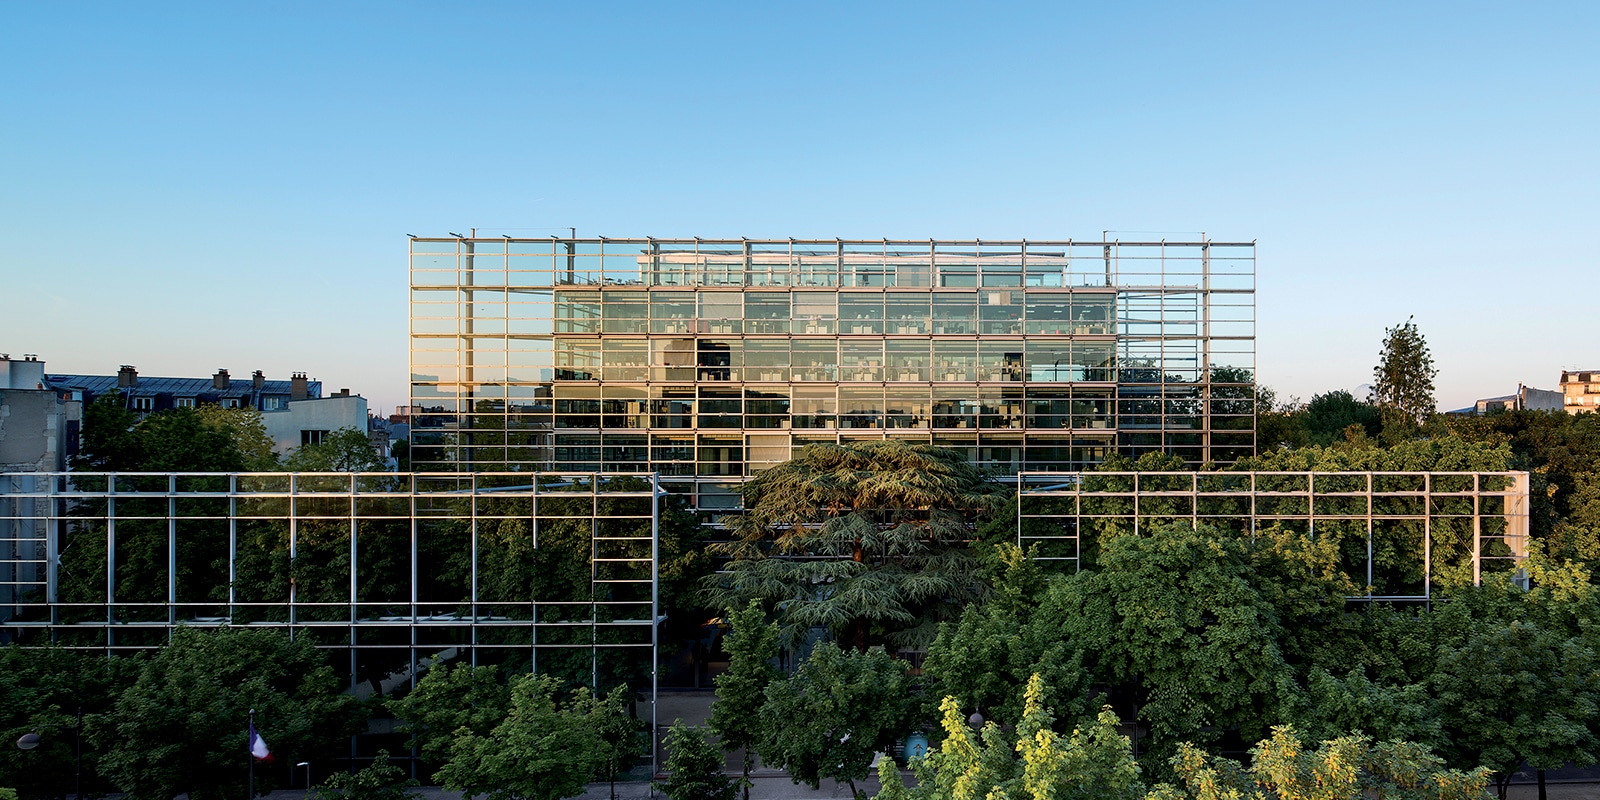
(1092, 763)
(996, 647)
(1402, 382)
(1517, 674)
(694, 767)
(40, 691)
(379, 780)
(1173, 616)
(837, 710)
(8, 794)
(447, 700)
(181, 727)
(107, 441)
(205, 439)
(545, 748)
(1347, 768)
(752, 644)
(343, 450)
(858, 537)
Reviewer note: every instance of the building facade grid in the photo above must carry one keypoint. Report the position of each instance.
(706, 360)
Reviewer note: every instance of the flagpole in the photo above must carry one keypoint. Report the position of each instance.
(250, 756)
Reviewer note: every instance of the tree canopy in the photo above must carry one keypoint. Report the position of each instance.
(865, 539)
(1402, 382)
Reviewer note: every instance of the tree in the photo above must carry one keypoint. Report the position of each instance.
(447, 700)
(694, 767)
(41, 690)
(998, 645)
(203, 439)
(837, 710)
(857, 537)
(1347, 768)
(545, 749)
(752, 644)
(379, 780)
(1517, 673)
(343, 450)
(1402, 382)
(246, 432)
(1092, 763)
(1172, 616)
(108, 442)
(181, 727)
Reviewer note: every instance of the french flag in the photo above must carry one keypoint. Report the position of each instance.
(258, 745)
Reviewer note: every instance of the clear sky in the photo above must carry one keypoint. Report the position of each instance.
(187, 187)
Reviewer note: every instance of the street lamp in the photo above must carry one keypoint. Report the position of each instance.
(31, 739)
(307, 765)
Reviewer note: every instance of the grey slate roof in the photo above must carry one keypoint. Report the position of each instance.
(177, 387)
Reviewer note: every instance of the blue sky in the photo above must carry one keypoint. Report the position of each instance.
(187, 187)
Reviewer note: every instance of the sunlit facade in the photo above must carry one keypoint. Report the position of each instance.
(707, 360)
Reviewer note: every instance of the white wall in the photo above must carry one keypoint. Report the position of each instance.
(323, 414)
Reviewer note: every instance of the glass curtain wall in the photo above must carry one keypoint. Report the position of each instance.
(586, 353)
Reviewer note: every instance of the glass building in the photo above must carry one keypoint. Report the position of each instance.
(706, 360)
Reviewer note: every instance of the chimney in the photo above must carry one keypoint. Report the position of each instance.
(297, 386)
(342, 393)
(257, 379)
(127, 377)
(220, 380)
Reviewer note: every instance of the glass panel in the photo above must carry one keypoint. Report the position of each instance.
(815, 312)
(814, 406)
(861, 313)
(1000, 360)
(1049, 312)
(721, 313)
(906, 313)
(767, 312)
(1000, 312)
(577, 312)
(718, 360)
(672, 312)
(955, 313)
(1092, 312)
(861, 360)
(766, 359)
(815, 359)
(625, 312)
(955, 360)
(860, 407)
(907, 406)
(1051, 360)
(577, 360)
(907, 359)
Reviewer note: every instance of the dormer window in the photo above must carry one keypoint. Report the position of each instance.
(230, 402)
(271, 403)
(183, 402)
(143, 403)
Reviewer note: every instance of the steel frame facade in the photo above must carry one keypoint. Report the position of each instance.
(546, 572)
(1400, 534)
(706, 360)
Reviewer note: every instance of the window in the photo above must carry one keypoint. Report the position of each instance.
(271, 403)
(183, 402)
(312, 437)
(142, 403)
(230, 402)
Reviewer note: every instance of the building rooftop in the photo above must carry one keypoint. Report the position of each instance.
(177, 387)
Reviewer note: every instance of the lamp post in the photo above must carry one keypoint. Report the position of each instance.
(31, 739)
(307, 765)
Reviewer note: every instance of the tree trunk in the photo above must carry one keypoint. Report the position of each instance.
(1540, 773)
(746, 775)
